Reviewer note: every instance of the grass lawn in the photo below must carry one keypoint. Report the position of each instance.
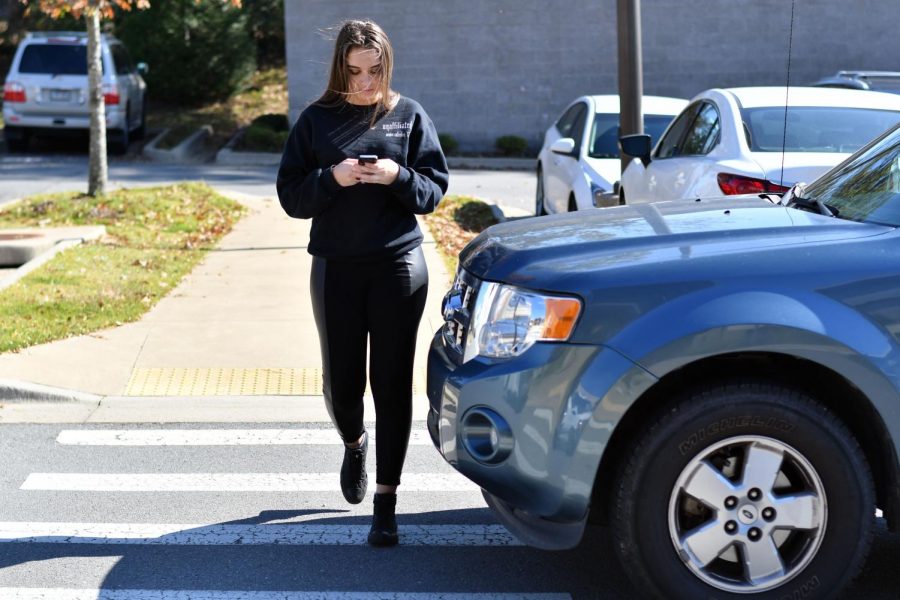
(457, 220)
(266, 93)
(155, 236)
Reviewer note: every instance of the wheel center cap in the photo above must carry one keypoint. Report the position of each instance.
(748, 514)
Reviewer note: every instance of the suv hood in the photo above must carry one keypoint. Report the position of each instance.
(559, 249)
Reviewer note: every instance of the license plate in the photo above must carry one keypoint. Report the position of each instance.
(60, 95)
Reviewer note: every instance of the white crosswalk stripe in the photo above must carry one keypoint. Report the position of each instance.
(212, 437)
(229, 482)
(244, 535)
(85, 594)
(297, 528)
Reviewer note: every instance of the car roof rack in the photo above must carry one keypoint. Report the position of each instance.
(61, 34)
(868, 74)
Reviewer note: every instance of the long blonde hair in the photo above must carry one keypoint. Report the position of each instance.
(369, 36)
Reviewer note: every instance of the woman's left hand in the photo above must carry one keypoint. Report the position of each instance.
(383, 171)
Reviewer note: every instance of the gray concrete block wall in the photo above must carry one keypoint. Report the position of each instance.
(486, 68)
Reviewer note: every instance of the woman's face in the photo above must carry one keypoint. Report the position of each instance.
(364, 67)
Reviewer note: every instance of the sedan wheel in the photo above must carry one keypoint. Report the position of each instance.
(539, 208)
(744, 489)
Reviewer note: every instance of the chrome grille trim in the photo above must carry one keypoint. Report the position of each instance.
(457, 309)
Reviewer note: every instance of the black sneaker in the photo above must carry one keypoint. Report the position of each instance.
(353, 472)
(384, 521)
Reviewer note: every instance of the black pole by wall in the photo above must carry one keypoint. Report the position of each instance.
(631, 86)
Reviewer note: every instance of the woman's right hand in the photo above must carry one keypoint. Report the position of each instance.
(345, 172)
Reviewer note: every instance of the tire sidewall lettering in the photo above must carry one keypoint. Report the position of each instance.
(715, 430)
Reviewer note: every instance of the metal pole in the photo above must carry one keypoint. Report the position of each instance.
(631, 87)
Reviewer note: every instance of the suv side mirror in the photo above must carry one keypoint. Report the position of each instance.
(564, 146)
(637, 145)
(143, 68)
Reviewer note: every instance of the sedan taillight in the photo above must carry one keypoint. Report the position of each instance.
(732, 184)
(13, 92)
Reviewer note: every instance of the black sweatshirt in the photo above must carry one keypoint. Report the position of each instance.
(364, 221)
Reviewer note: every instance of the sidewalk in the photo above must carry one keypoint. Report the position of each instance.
(235, 341)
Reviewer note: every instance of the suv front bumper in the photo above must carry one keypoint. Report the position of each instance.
(561, 402)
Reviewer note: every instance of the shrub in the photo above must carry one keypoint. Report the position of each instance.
(448, 143)
(512, 145)
(197, 51)
(267, 133)
(475, 216)
(272, 121)
(260, 139)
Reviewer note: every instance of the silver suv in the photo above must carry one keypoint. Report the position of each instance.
(46, 90)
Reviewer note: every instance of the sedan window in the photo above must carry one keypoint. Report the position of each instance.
(605, 133)
(703, 134)
(567, 122)
(815, 129)
(669, 144)
(580, 122)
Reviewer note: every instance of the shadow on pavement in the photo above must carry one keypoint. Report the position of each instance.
(589, 571)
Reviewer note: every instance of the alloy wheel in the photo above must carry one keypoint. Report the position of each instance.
(747, 514)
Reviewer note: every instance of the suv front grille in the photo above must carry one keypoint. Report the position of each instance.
(457, 309)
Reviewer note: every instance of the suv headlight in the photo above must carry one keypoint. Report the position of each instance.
(508, 320)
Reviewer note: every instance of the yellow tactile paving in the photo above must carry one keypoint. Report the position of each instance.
(223, 381)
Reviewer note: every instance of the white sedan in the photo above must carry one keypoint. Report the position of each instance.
(579, 161)
(732, 141)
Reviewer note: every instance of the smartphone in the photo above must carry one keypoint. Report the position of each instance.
(367, 159)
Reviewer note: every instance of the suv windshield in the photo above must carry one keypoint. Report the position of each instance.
(867, 186)
(815, 129)
(605, 133)
(54, 59)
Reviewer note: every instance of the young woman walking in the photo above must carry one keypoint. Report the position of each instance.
(361, 162)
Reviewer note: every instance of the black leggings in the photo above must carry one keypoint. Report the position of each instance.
(383, 301)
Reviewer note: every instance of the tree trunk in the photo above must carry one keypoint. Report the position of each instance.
(97, 173)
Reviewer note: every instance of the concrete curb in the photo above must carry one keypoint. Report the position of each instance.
(80, 235)
(186, 150)
(10, 203)
(12, 390)
(491, 163)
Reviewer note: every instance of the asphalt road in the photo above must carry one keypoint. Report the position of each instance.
(83, 512)
(35, 173)
(54, 535)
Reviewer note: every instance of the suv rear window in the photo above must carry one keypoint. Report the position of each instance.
(54, 59)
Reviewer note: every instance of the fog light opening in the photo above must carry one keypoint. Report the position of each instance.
(486, 435)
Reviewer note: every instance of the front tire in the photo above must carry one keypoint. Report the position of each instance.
(540, 208)
(744, 489)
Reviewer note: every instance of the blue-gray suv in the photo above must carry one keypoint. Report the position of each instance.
(717, 380)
